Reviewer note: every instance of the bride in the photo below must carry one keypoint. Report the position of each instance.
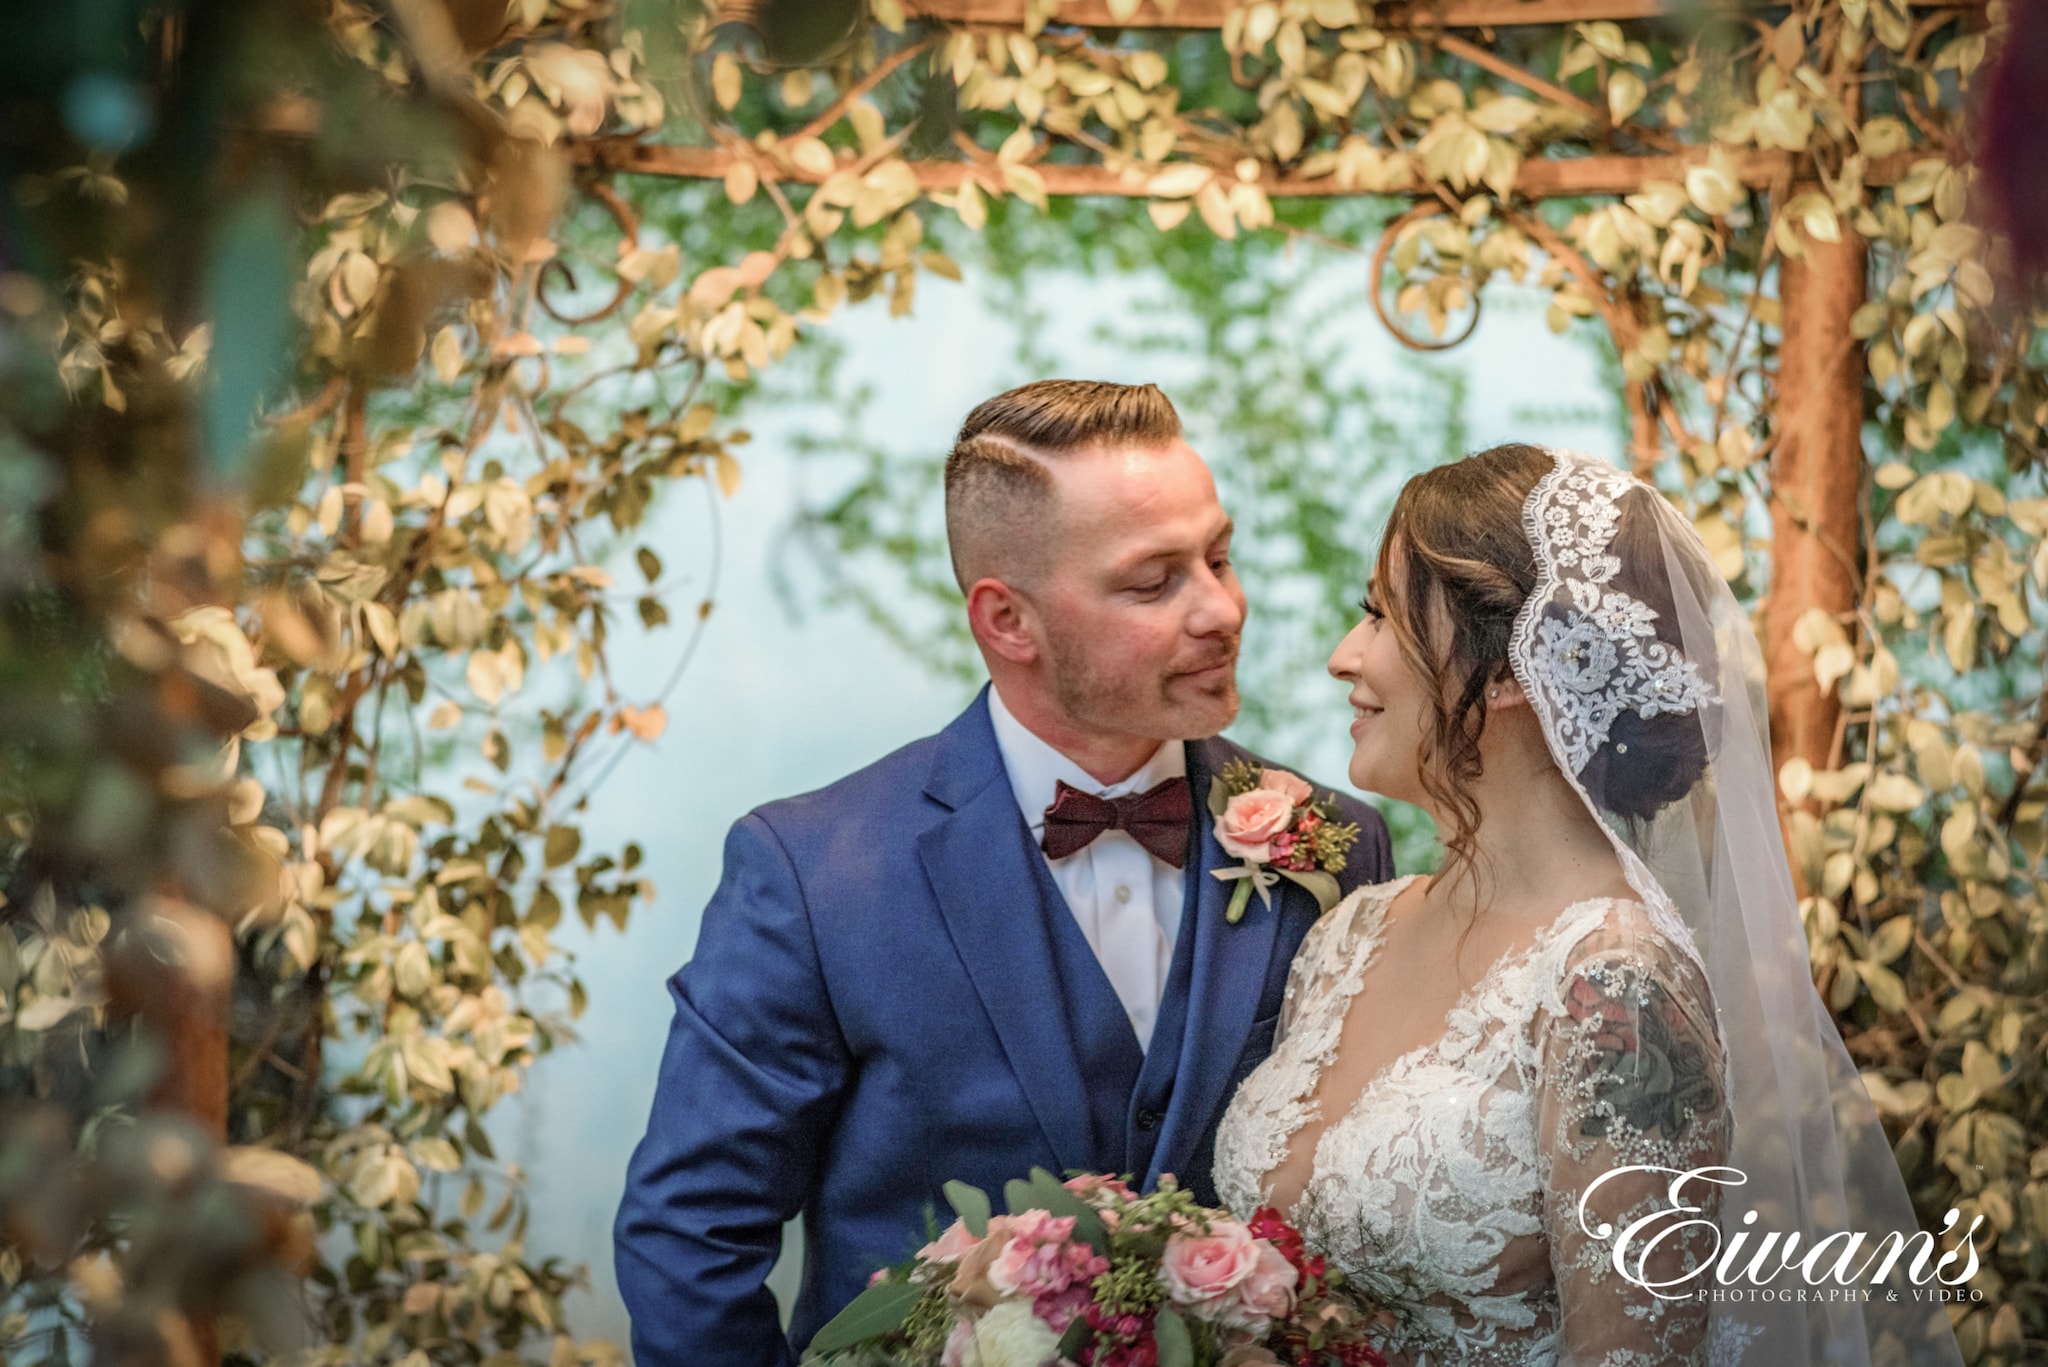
(1485, 1079)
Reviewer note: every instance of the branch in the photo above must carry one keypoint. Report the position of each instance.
(1537, 179)
(1508, 71)
(866, 83)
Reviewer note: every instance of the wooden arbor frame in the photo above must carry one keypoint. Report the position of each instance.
(1817, 468)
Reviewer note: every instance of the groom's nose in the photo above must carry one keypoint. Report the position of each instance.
(1219, 606)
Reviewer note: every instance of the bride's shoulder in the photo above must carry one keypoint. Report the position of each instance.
(1368, 900)
(1625, 932)
(1356, 916)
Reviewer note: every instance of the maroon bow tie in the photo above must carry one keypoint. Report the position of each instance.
(1157, 819)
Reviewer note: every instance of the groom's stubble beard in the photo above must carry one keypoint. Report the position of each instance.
(1101, 697)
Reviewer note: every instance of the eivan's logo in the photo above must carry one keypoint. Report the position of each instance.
(1830, 1260)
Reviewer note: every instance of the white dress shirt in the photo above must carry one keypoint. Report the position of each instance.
(1126, 902)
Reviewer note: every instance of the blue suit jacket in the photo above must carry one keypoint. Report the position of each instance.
(889, 992)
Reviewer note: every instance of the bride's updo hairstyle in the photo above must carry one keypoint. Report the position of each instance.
(1455, 567)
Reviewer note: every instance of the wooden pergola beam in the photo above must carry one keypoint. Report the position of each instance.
(1547, 178)
(1401, 14)
(1208, 14)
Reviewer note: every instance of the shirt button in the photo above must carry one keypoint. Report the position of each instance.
(1123, 894)
(1148, 1119)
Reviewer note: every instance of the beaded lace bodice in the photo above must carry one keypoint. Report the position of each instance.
(1453, 1182)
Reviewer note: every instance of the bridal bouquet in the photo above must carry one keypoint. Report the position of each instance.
(1087, 1273)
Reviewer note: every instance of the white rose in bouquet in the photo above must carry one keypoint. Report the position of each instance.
(1010, 1335)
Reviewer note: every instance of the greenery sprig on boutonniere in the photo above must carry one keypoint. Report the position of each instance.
(1275, 823)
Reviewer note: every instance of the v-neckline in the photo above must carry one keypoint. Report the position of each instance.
(1374, 937)
(1495, 971)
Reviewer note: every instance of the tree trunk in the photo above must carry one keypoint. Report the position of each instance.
(187, 1012)
(1817, 473)
(174, 969)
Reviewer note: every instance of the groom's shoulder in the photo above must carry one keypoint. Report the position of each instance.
(868, 794)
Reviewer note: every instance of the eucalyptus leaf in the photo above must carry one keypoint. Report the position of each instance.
(971, 1205)
(1176, 1345)
(878, 1310)
(1076, 1338)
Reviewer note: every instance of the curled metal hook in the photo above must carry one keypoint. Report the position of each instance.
(629, 225)
(1379, 302)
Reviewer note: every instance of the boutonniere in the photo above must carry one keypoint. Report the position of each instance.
(1275, 823)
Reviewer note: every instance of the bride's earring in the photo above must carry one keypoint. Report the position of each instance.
(1493, 692)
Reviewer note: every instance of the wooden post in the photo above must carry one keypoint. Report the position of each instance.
(175, 969)
(1817, 488)
(185, 1002)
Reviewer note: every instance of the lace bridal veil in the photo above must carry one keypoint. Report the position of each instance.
(1632, 633)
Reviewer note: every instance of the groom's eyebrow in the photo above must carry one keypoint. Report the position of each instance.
(1171, 551)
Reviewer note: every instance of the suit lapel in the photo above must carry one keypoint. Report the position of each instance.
(1066, 1037)
(1226, 970)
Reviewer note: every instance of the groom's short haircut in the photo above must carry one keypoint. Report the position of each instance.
(999, 493)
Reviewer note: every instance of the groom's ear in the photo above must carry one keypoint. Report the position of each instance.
(1001, 619)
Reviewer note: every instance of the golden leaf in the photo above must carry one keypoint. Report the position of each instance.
(1214, 206)
(1625, 92)
(1169, 214)
(714, 287)
(741, 180)
(1180, 180)
(810, 156)
(969, 206)
(451, 228)
(278, 1173)
(645, 723)
(725, 80)
(1713, 185)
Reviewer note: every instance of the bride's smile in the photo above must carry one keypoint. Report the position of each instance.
(1548, 663)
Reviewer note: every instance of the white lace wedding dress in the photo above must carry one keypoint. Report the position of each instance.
(1453, 1179)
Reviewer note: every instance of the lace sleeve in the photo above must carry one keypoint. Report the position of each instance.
(1633, 1074)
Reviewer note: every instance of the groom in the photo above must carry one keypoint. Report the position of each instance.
(999, 947)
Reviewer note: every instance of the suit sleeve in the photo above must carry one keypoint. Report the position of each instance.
(750, 1081)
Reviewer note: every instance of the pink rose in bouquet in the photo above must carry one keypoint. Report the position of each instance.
(1251, 820)
(950, 1247)
(1265, 1295)
(1198, 1269)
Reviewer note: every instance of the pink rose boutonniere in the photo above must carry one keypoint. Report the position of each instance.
(1275, 823)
